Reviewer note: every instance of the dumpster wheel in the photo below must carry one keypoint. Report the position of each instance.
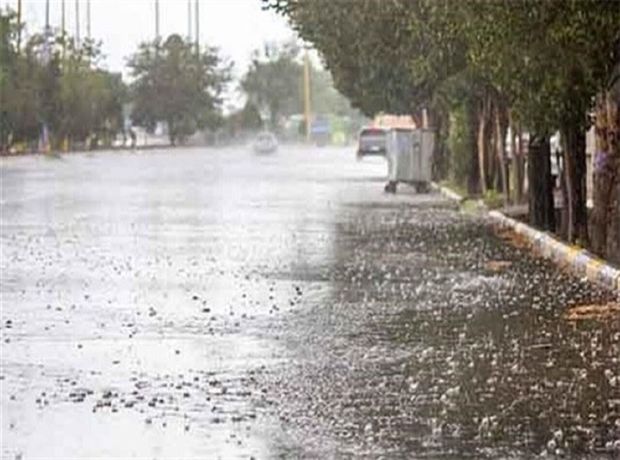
(422, 187)
(390, 187)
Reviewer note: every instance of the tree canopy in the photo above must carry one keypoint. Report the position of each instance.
(538, 65)
(175, 85)
(52, 81)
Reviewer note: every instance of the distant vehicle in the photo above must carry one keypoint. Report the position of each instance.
(372, 141)
(265, 142)
(320, 131)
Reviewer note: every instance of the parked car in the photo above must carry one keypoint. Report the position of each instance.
(265, 142)
(371, 141)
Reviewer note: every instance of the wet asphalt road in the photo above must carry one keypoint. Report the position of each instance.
(200, 303)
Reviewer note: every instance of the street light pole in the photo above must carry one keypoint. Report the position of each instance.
(197, 19)
(19, 24)
(62, 17)
(307, 108)
(156, 19)
(77, 22)
(88, 19)
(47, 31)
(189, 21)
(63, 30)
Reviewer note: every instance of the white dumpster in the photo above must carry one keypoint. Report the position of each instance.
(409, 154)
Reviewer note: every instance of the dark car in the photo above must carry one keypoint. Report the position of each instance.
(372, 141)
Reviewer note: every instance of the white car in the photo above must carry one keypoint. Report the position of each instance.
(265, 142)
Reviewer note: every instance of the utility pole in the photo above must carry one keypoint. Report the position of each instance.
(47, 30)
(19, 24)
(77, 22)
(156, 19)
(197, 19)
(189, 21)
(62, 18)
(47, 53)
(88, 19)
(47, 14)
(307, 108)
(63, 31)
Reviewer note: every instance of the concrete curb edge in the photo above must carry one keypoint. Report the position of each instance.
(576, 259)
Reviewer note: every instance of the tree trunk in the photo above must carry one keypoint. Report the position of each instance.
(482, 163)
(485, 155)
(519, 166)
(516, 174)
(574, 140)
(605, 216)
(563, 228)
(541, 209)
(500, 136)
(494, 166)
(171, 131)
(473, 178)
(440, 126)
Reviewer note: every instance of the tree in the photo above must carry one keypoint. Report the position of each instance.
(367, 49)
(90, 99)
(537, 64)
(380, 55)
(606, 193)
(243, 121)
(273, 82)
(173, 84)
(325, 97)
(53, 82)
(20, 77)
(556, 57)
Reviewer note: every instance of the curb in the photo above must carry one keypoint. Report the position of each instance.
(447, 192)
(480, 205)
(576, 259)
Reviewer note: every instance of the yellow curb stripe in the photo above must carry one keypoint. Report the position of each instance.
(571, 254)
(593, 268)
(577, 259)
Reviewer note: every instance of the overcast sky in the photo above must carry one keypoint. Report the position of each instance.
(235, 26)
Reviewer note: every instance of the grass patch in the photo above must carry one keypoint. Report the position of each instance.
(455, 188)
(493, 199)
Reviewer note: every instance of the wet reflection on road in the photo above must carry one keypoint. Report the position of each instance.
(208, 304)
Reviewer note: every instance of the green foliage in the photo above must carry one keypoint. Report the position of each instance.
(242, 121)
(558, 54)
(326, 99)
(273, 83)
(545, 60)
(366, 46)
(493, 199)
(175, 85)
(51, 81)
